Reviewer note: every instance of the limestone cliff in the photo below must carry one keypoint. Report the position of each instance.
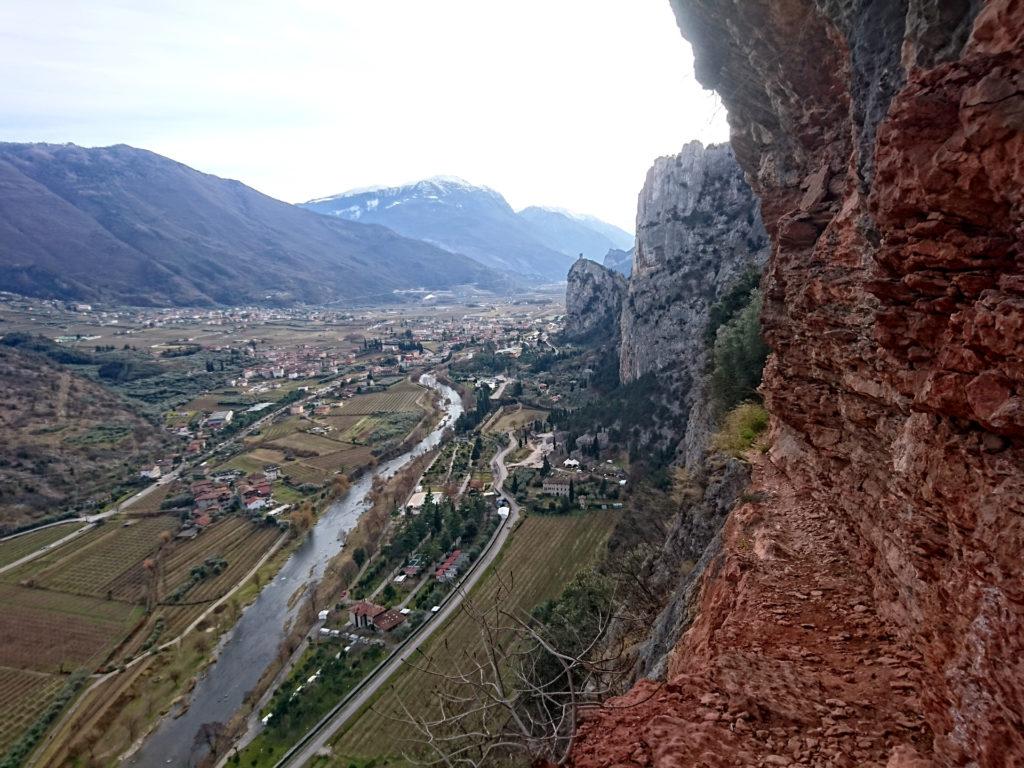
(699, 232)
(866, 607)
(593, 301)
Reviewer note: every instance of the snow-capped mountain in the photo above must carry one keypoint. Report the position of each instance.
(573, 234)
(457, 216)
(477, 221)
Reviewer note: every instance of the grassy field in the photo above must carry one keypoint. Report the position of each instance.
(540, 558)
(16, 548)
(304, 443)
(515, 419)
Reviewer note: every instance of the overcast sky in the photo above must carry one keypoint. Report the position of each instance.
(551, 102)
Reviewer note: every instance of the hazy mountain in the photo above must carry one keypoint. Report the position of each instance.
(127, 225)
(455, 215)
(619, 260)
(573, 234)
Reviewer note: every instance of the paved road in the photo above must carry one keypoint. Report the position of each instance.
(322, 733)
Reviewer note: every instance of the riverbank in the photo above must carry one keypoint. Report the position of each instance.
(256, 641)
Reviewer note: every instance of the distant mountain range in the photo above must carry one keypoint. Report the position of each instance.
(573, 234)
(536, 243)
(129, 226)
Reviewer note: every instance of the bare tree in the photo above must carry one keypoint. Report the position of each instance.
(519, 691)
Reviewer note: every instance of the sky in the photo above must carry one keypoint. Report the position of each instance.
(561, 103)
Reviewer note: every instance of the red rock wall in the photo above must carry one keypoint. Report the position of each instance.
(886, 141)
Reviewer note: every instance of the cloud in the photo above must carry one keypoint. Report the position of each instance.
(559, 103)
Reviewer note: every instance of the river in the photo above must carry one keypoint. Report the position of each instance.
(253, 643)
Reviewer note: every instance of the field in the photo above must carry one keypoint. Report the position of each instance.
(515, 419)
(29, 693)
(49, 631)
(17, 548)
(349, 458)
(362, 424)
(540, 558)
(236, 540)
(96, 562)
(404, 396)
(150, 503)
(304, 443)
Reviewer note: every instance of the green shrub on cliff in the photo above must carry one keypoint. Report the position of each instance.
(738, 357)
(740, 429)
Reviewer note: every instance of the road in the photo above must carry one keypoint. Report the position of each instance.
(317, 738)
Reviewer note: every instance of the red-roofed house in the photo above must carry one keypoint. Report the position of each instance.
(363, 613)
(448, 570)
(388, 620)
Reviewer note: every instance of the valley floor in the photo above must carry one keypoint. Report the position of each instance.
(786, 663)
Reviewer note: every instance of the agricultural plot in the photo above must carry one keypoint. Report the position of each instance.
(150, 503)
(347, 459)
(14, 549)
(239, 542)
(266, 455)
(47, 631)
(541, 557)
(281, 428)
(93, 564)
(400, 397)
(306, 443)
(25, 695)
(345, 427)
(515, 419)
(299, 473)
(243, 462)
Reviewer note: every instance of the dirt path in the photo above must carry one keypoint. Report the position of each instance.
(63, 387)
(787, 662)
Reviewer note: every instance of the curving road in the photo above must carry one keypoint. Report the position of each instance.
(318, 737)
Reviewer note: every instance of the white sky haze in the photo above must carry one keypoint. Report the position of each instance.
(551, 102)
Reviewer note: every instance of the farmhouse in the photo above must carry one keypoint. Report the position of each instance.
(252, 501)
(363, 613)
(388, 620)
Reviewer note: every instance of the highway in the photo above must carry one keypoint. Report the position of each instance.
(319, 736)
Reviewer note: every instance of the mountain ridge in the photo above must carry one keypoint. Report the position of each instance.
(463, 217)
(128, 225)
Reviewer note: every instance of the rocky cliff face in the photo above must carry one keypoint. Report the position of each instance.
(880, 581)
(593, 301)
(698, 232)
(698, 229)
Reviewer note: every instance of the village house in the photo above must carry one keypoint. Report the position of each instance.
(363, 613)
(449, 569)
(388, 620)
